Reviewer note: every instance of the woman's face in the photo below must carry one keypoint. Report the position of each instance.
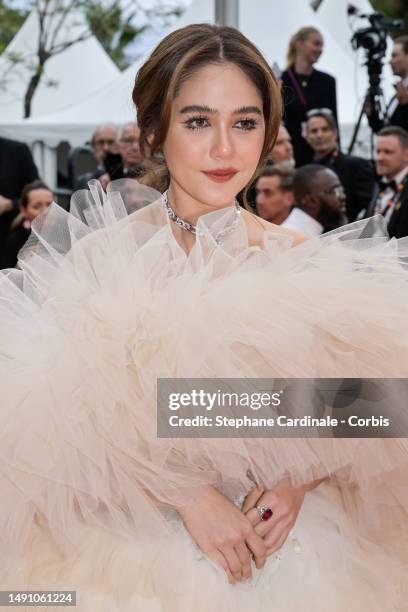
(216, 135)
(38, 201)
(311, 48)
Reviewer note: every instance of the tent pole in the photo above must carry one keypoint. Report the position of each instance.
(227, 13)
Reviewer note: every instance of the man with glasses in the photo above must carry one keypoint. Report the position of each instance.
(131, 163)
(104, 141)
(319, 201)
(355, 173)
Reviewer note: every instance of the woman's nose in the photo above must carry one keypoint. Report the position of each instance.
(222, 144)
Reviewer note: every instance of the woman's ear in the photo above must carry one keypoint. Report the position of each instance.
(158, 155)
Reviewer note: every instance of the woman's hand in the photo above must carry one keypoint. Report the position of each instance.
(401, 93)
(224, 533)
(285, 501)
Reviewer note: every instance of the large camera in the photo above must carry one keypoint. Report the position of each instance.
(374, 38)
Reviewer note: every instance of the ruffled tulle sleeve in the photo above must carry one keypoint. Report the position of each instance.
(106, 301)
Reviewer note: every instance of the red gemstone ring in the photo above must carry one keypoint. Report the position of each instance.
(264, 512)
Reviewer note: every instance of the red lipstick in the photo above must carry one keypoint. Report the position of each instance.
(221, 175)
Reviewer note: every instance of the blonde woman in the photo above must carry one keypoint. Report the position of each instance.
(305, 88)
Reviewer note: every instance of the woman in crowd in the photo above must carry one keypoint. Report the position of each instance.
(305, 88)
(35, 198)
(192, 285)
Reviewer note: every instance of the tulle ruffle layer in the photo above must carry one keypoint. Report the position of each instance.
(323, 566)
(106, 301)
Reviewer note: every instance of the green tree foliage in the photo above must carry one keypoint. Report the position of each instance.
(114, 24)
(393, 9)
(10, 22)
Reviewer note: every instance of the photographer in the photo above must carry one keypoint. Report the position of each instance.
(128, 164)
(104, 141)
(397, 110)
(374, 40)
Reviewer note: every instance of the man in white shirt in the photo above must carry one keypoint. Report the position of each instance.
(320, 201)
(391, 199)
(274, 192)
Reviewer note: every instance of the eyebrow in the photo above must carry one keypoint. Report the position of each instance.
(194, 108)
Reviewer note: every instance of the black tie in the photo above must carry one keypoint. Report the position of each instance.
(388, 185)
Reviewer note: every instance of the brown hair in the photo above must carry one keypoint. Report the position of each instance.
(398, 132)
(284, 171)
(29, 188)
(403, 41)
(173, 61)
(301, 35)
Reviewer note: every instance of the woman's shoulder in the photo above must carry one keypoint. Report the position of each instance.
(257, 227)
(321, 76)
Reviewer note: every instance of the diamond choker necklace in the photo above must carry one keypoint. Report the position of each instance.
(189, 227)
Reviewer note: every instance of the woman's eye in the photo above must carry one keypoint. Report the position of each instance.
(246, 124)
(196, 123)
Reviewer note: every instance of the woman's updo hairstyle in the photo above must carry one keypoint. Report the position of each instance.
(174, 60)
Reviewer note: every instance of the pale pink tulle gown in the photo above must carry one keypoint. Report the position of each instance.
(105, 302)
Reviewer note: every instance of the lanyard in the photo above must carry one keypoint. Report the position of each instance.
(298, 90)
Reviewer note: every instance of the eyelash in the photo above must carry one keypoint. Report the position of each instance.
(250, 124)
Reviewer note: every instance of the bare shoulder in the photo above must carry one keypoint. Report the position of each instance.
(256, 227)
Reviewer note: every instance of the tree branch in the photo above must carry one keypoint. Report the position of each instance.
(64, 13)
(63, 46)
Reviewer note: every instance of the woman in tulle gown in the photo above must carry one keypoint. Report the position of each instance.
(131, 286)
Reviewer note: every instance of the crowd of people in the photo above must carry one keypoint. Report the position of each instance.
(307, 184)
(108, 485)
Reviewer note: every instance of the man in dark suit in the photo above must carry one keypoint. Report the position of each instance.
(391, 197)
(355, 174)
(17, 169)
(104, 141)
(397, 110)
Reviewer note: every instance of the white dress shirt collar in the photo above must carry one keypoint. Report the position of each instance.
(299, 220)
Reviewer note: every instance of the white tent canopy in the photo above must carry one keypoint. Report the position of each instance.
(113, 102)
(263, 21)
(77, 72)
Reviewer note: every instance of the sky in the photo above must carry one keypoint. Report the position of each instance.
(145, 41)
